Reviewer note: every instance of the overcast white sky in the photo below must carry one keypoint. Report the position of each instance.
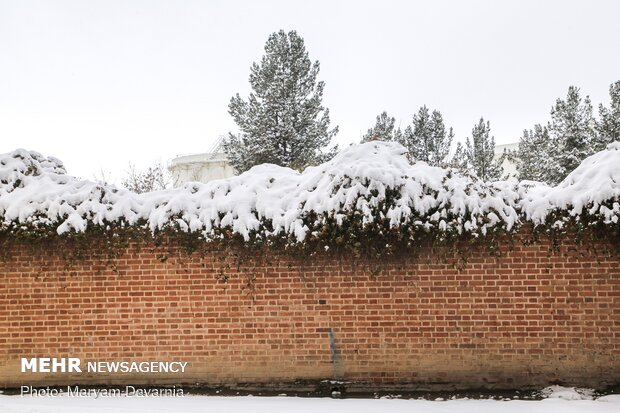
(101, 83)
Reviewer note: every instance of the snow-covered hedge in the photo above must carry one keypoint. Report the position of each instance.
(370, 187)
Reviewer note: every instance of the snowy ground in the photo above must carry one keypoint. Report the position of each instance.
(560, 400)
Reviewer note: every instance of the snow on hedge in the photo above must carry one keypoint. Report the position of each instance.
(370, 182)
(592, 188)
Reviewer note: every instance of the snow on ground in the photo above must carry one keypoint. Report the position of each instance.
(567, 393)
(267, 200)
(200, 404)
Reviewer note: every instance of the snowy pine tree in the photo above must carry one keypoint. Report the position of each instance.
(572, 131)
(608, 125)
(283, 120)
(441, 141)
(477, 155)
(428, 140)
(383, 130)
(459, 160)
(534, 158)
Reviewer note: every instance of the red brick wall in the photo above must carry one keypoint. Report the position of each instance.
(527, 318)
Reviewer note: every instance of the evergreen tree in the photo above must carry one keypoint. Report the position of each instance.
(608, 126)
(428, 140)
(477, 155)
(283, 120)
(459, 160)
(572, 134)
(383, 130)
(534, 158)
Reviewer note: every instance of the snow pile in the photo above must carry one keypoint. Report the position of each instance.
(567, 393)
(35, 193)
(593, 188)
(371, 184)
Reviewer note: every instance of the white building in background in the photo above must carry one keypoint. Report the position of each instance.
(508, 167)
(201, 167)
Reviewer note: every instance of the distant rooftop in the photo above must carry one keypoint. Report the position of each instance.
(507, 146)
(215, 153)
